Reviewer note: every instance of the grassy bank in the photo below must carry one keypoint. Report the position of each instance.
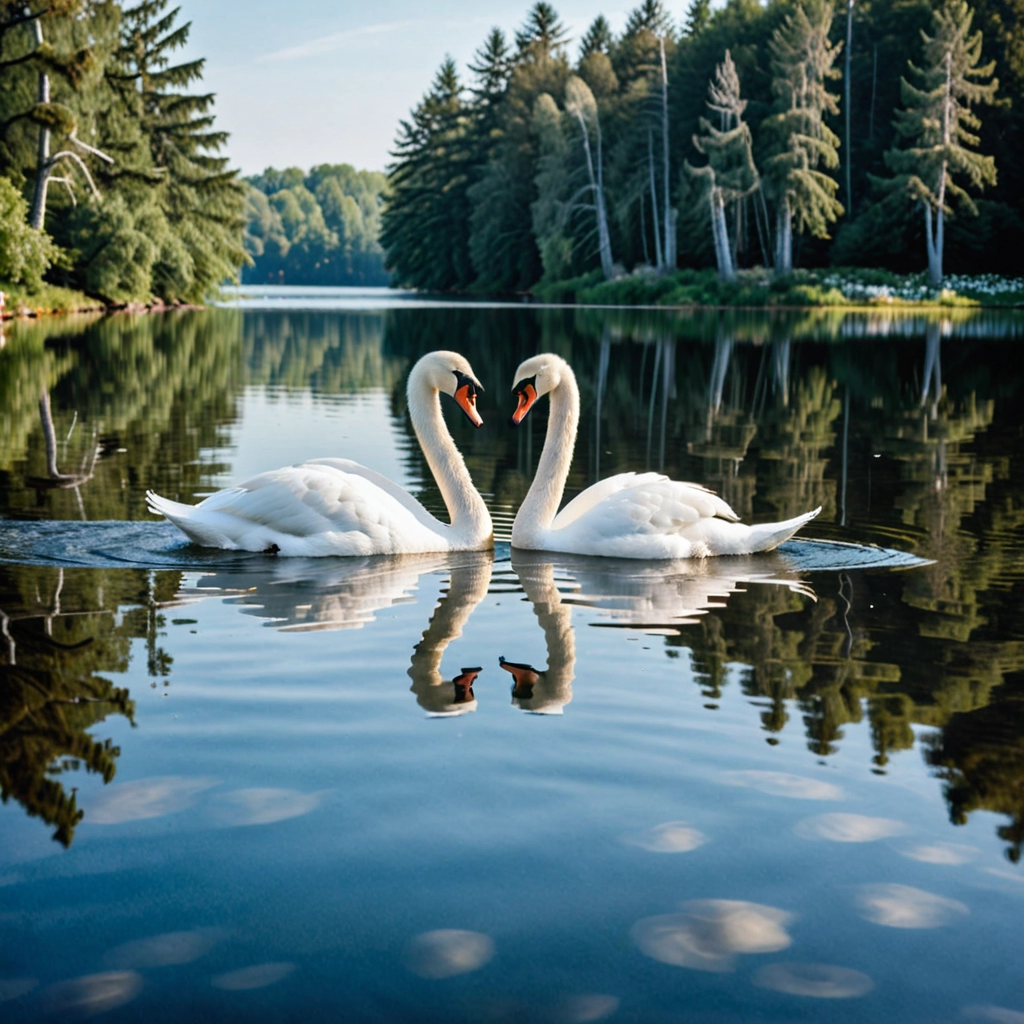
(49, 299)
(852, 287)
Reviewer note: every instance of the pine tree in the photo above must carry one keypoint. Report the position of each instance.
(502, 243)
(597, 39)
(651, 17)
(697, 18)
(802, 64)
(940, 126)
(200, 198)
(46, 63)
(730, 173)
(492, 65)
(426, 221)
(542, 30)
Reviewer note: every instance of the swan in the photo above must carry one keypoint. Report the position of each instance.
(338, 507)
(630, 515)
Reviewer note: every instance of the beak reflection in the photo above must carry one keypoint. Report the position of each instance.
(525, 678)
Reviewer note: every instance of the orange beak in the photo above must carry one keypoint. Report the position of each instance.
(466, 397)
(527, 395)
(525, 678)
(463, 683)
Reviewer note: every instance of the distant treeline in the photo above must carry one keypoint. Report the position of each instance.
(881, 133)
(110, 180)
(320, 228)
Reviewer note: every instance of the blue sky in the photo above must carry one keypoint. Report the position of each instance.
(313, 81)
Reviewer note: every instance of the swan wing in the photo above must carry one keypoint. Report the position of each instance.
(309, 509)
(400, 494)
(635, 499)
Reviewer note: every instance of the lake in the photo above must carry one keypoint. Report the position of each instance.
(787, 787)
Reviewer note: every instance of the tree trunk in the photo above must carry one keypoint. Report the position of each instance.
(934, 254)
(43, 168)
(783, 238)
(603, 239)
(763, 227)
(936, 239)
(654, 201)
(604, 236)
(670, 214)
(846, 84)
(723, 251)
(643, 231)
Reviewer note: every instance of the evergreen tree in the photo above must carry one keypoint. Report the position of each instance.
(597, 39)
(730, 173)
(802, 64)
(651, 17)
(492, 64)
(543, 29)
(47, 68)
(425, 224)
(201, 200)
(697, 18)
(939, 125)
(502, 243)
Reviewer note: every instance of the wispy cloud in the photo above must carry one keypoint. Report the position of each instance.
(338, 40)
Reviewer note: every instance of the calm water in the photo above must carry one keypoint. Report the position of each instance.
(785, 788)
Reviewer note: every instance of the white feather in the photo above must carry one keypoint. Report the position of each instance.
(631, 515)
(338, 507)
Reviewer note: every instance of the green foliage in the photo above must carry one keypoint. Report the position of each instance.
(133, 188)
(25, 254)
(802, 65)
(502, 178)
(939, 127)
(321, 228)
(116, 250)
(429, 181)
(937, 119)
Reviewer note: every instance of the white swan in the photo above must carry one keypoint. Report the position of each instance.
(630, 515)
(338, 507)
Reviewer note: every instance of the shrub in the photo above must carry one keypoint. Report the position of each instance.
(25, 254)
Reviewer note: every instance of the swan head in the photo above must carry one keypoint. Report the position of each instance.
(451, 374)
(535, 378)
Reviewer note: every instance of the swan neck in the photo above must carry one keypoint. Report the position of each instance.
(470, 520)
(466, 589)
(545, 495)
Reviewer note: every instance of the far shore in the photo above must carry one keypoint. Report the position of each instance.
(865, 292)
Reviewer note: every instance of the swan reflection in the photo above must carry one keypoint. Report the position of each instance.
(655, 597)
(304, 595)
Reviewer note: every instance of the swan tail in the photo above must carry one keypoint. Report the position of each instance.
(185, 519)
(768, 536)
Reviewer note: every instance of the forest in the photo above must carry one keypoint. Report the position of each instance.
(780, 135)
(796, 151)
(321, 228)
(112, 180)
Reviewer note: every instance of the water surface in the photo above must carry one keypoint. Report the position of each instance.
(506, 786)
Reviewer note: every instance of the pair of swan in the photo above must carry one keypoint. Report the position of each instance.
(338, 507)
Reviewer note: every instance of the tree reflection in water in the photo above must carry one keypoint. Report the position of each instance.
(59, 632)
(905, 428)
